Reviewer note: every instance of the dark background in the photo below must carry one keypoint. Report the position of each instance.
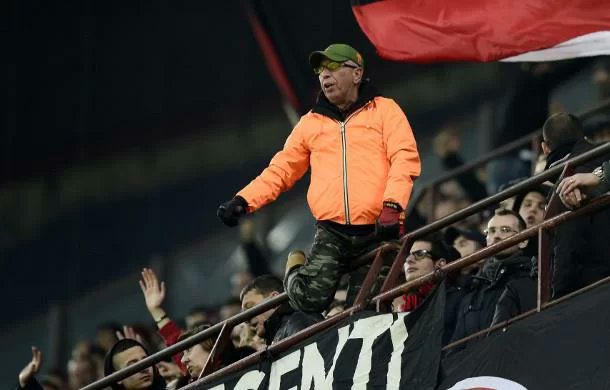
(89, 83)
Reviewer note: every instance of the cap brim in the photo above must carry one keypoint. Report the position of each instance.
(316, 58)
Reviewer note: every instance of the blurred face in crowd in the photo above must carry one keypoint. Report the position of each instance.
(420, 262)
(340, 86)
(532, 208)
(194, 359)
(197, 318)
(141, 380)
(501, 227)
(466, 247)
(251, 299)
(81, 372)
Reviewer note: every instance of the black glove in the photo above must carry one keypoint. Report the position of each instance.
(230, 212)
(387, 225)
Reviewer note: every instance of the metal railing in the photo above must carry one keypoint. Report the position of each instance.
(387, 291)
(431, 188)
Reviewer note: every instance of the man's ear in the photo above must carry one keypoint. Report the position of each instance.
(523, 244)
(358, 73)
(439, 263)
(545, 148)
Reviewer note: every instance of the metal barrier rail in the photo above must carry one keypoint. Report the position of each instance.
(521, 142)
(386, 290)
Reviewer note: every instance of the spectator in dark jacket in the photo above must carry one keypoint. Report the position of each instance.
(427, 255)
(581, 247)
(478, 306)
(274, 324)
(125, 353)
(519, 296)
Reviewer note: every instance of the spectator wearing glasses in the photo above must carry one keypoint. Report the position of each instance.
(363, 158)
(428, 255)
(477, 308)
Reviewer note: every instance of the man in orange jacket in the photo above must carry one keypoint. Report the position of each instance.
(363, 160)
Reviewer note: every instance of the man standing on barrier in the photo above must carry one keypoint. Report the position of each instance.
(363, 158)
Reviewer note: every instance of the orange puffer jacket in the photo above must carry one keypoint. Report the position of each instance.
(356, 164)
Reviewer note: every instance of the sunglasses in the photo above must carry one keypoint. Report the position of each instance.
(332, 66)
(421, 254)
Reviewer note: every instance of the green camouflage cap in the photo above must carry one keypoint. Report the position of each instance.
(339, 52)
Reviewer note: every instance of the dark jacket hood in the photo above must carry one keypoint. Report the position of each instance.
(366, 93)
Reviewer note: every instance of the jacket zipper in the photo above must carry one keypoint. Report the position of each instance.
(344, 155)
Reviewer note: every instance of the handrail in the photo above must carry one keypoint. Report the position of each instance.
(513, 145)
(276, 301)
(288, 342)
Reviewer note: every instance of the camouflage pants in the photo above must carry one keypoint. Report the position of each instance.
(311, 287)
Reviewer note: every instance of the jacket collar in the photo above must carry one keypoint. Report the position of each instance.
(366, 93)
(275, 321)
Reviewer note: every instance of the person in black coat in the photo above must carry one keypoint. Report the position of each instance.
(477, 308)
(519, 296)
(124, 353)
(274, 324)
(581, 248)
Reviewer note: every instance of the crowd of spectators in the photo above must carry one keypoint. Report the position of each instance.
(485, 293)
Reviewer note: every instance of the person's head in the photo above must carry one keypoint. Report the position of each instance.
(81, 371)
(466, 242)
(231, 307)
(504, 224)
(530, 205)
(257, 291)
(200, 315)
(601, 77)
(105, 335)
(559, 129)
(239, 280)
(428, 254)
(125, 353)
(195, 357)
(340, 70)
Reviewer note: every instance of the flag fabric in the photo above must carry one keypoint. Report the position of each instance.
(566, 346)
(485, 30)
(366, 351)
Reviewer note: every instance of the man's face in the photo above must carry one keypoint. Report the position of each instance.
(194, 359)
(251, 299)
(141, 380)
(532, 208)
(419, 262)
(341, 84)
(466, 247)
(501, 227)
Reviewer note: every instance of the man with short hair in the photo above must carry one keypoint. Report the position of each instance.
(277, 323)
(363, 160)
(580, 246)
(125, 353)
(478, 305)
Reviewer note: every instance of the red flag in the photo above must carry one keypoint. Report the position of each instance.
(485, 30)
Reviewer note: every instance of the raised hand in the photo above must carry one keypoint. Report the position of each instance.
(168, 370)
(129, 333)
(154, 292)
(31, 368)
